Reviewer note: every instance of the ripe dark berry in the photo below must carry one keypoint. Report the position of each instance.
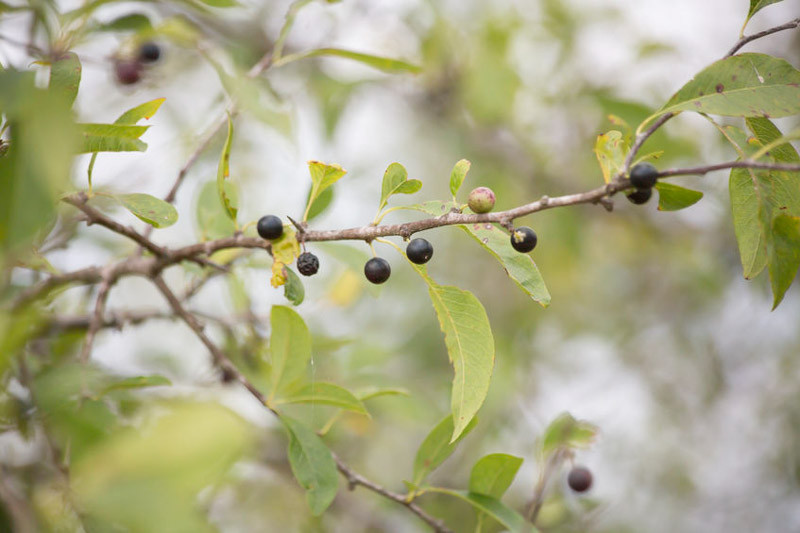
(580, 479)
(419, 251)
(307, 264)
(149, 52)
(481, 200)
(644, 176)
(640, 196)
(128, 71)
(377, 270)
(524, 239)
(269, 227)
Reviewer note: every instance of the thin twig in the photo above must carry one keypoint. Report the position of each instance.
(640, 140)
(551, 465)
(730, 164)
(96, 319)
(750, 38)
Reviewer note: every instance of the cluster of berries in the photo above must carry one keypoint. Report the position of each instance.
(129, 70)
(643, 177)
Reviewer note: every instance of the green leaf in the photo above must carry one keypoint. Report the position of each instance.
(768, 134)
(150, 209)
(381, 63)
(784, 255)
(610, 149)
(746, 85)
(293, 289)
(137, 382)
(321, 392)
(132, 22)
(322, 177)
(111, 138)
(321, 203)
(312, 464)
(140, 112)
(65, 76)
(493, 474)
(567, 432)
(457, 176)
(521, 268)
(672, 197)
(746, 222)
(437, 447)
(395, 181)
(368, 393)
(223, 173)
(290, 347)
(220, 3)
(509, 518)
(212, 219)
(758, 5)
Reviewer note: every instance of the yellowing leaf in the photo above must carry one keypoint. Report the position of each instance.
(284, 251)
(610, 150)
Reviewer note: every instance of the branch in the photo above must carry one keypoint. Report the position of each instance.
(550, 466)
(96, 319)
(730, 164)
(640, 140)
(750, 38)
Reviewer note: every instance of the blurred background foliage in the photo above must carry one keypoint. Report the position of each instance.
(652, 333)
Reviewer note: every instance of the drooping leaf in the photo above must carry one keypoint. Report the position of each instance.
(509, 518)
(223, 173)
(111, 138)
(293, 289)
(610, 150)
(457, 176)
(132, 22)
(211, 217)
(395, 181)
(493, 474)
(437, 447)
(746, 85)
(65, 76)
(784, 255)
(150, 209)
(322, 177)
(290, 348)
(284, 251)
(321, 203)
(385, 64)
(312, 465)
(673, 197)
(324, 393)
(567, 432)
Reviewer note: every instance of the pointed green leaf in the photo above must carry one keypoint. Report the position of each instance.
(758, 5)
(322, 177)
(322, 202)
(140, 112)
(610, 150)
(211, 218)
(290, 347)
(784, 255)
(150, 209)
(458, 174)
(768, 134)
(312, 465)
(395, 181)
(137, 382)
(746, 85)
(132, 22)
(223, 173)
(65, 76)
(293, 289)
(111, 138)
(567, 432)
(321, 392)
(509, 518)
(369, 393)
(750, 236)
(220, 3)
(521, 268)
(493, 474)
(672, 197)
(381, 63)
(437, 447)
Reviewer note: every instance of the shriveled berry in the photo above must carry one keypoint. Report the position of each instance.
(640, 196)
(481, 200)
(419, 251)
(377, 270)
(580, 479)
(269, 227)
(307, 264)
(524, 239)
(127, 71)
(149, 52)
(644, 176)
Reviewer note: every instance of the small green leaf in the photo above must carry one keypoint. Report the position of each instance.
(65, 76)
(493, 474)
(784, 255)
(220, 3)
(395, 181)
(111, 138)
(293, 289)
(223, 173)
(150, 209)
(509, 518)
(323, 393)
(140, 112)
(567, 432)
(672, 197)
(457, 176)
(758, 5)
(322, 202)
(369, 393)
(322, 177)
(212, 219)
(290, 347)
(610, 150)
(381, 63)
(138, 382)
(132, 22)
(437, 447)
(312, 465)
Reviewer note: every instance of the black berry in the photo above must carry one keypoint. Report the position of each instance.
(127, 71)
(377, 270)
(269, 227)
(149, 52)
(640, 196)
(580, 479)
(644, 176)
(524, 239)
(419, 251)
(307, 264)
